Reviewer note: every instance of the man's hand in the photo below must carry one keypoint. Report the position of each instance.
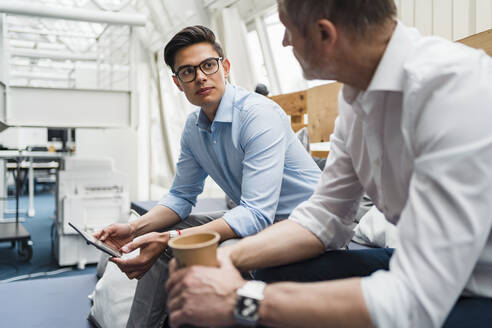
(151, 245)
(203, 296)
(116, 235)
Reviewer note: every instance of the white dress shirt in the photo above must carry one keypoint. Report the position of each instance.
(419, 142)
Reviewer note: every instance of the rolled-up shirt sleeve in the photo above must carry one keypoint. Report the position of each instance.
(445, 225)
(263, 140)
(188, 182)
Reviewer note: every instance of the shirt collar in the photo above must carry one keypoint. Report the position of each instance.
(389, 75)
(224, 111)
(202, 121)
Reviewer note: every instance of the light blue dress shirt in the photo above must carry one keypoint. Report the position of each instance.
(251, 152)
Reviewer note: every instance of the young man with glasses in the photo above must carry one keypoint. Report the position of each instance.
(243, 141)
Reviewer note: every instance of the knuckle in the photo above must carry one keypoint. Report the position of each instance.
(194, 271)
(187, 310)
(187, 282)
(174, 318)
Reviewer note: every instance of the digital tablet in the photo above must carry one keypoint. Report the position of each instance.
(96, 242)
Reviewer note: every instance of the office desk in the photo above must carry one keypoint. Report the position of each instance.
(32, 165)
(15, 231)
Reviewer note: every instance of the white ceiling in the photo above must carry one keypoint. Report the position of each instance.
(39, 45)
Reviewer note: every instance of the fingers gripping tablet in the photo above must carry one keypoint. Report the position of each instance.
(96, 242)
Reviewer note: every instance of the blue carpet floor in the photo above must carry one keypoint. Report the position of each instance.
(47, 303)
(39, 227)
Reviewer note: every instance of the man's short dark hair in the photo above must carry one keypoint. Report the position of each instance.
(357, 17)
(186, 37)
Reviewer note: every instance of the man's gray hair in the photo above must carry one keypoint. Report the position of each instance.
(358, 17)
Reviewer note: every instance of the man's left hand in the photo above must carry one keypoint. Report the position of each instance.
(203, 296)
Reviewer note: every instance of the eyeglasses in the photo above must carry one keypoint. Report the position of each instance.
(188, 73)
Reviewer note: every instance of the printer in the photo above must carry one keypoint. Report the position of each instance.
(91, 195)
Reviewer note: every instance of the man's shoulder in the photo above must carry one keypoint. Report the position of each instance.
(447, 83)
(245, 101)
(191, 122)
(436, 59)
(193, 116)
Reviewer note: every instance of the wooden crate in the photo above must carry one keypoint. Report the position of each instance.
(321, 106)
(295, 105)
(322, 110)
(481, 40)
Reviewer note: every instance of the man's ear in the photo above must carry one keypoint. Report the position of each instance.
(176, 81)
(227, 66)
(326, 33)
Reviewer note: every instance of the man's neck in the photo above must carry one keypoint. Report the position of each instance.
(210, 111)
(362, 58)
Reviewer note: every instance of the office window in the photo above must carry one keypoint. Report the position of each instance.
(257, 58)
(289, 70)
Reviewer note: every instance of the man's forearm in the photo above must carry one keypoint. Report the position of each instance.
(282, 243)
(219, 225)
(159, 217)
(338, 303)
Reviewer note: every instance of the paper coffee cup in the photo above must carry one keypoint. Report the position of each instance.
(196, 249)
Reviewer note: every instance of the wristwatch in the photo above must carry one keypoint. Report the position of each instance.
(248, 303)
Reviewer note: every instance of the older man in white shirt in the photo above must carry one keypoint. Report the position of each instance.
(414, 132)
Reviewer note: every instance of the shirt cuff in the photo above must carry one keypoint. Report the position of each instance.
(386, 300)
(246, 221)
(181, 206)
(332, 233)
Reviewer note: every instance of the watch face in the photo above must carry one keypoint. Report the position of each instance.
(246, 310)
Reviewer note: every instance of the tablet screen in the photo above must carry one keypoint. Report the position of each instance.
(96, 242)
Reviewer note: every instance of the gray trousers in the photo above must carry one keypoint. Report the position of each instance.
(149, 307)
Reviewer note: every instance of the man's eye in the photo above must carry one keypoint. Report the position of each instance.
(187, 71)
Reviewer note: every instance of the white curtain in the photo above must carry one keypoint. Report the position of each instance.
(231, 32)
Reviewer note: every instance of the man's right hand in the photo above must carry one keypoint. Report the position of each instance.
(151, 246)
(116, 235)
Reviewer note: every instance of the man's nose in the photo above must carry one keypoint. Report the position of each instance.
(200, 76)
(285, 39)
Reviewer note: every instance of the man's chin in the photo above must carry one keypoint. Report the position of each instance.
(200, 101)
(309, 75)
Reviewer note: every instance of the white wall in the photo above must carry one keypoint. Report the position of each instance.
(451, 19)
(3, 52)
(22, 137)
(3, 66)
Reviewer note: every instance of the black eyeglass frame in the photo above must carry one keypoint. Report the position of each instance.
(217, 59)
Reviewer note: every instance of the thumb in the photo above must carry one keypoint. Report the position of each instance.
(106, 232)
(138, 242)
(225, 261)
(131, 246)
(97, 234)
